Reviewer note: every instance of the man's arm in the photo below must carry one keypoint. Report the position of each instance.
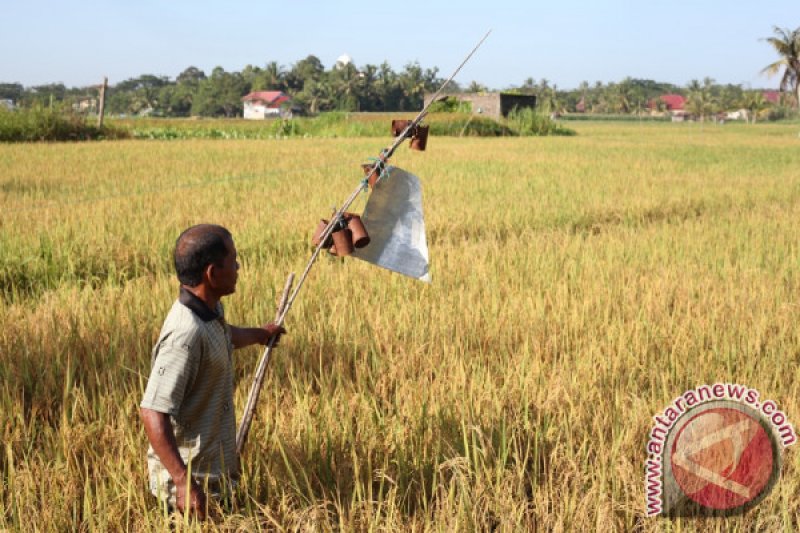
(161, 436)
(242, 337)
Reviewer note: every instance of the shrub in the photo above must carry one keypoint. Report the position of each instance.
(528, 121)
(450, 104)
(337, 124)
(781, 113)
(468, 126)
(614, 117)
(57, 123)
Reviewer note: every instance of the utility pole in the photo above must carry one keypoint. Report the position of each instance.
(102, 109)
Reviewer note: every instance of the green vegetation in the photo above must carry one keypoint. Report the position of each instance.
(338, 124)
(41, 123)
(450, 104)
(193, 93)
(529, 122)
(378, 88)
(51, 125)
(579, 285)
(786, 43)
(612, 117)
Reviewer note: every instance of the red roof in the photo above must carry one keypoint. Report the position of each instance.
(269, 98)
(773, 97)
(675, 102)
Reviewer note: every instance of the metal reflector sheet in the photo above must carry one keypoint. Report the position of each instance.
(396, 226)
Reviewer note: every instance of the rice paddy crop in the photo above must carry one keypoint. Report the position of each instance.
(579, 285)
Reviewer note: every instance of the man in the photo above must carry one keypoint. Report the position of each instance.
(187, 409)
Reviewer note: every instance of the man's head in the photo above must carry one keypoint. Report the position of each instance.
(206, 253)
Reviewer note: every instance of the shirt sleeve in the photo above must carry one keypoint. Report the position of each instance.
(172, 375)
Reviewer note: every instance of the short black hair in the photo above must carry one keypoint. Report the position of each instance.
(198, 247)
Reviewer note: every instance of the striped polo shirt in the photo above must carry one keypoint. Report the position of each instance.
(191, 379)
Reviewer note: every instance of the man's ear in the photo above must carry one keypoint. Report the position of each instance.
(209, 274)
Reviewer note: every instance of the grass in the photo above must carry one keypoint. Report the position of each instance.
(55, 123)
(579, 285)
(337, 125)
(60, 124)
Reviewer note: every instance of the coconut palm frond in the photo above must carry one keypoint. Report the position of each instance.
(787, 44)
(774, 68)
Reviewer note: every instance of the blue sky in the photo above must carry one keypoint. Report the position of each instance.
(77, 43)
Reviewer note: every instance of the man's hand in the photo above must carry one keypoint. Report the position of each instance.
(159, 432)
(194, 501)
(242, 337)
(273, 329)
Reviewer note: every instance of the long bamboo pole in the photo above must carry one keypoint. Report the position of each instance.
(378, 167)
(285, 306)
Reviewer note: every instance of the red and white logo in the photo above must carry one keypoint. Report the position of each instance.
(715, 450)
(722, 458)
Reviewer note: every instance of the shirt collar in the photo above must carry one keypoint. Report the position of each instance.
(197, 306)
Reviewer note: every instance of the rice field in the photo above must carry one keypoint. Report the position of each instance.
(579, 285)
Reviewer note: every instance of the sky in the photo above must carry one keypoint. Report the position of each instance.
(565, 42)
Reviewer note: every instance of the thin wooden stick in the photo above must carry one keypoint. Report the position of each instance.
(258, 381)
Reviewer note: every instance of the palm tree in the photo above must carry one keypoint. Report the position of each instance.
(622, 96)
(273, 75)
(599, 99)
(549, 100)
(369, 98)
(701, 102)
(729, 97)
(584, 89)
(755, 103)
(317, 96)
(387, 87)
(412, 80)
(787, 44)
(346, 83)
(544, 84)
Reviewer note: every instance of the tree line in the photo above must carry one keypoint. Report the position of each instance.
(219, 94)
(703, 99)
(345, 87)
(631, 96)
(371, 88)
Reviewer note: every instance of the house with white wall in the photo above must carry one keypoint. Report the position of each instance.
(266, 104)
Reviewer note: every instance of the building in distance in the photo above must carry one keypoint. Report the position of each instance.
(491, 104)
(267, 104)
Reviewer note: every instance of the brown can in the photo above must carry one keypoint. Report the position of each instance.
(420, 138)
(398, 126)
(342, 242)
(357, 230)
(372, 175)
